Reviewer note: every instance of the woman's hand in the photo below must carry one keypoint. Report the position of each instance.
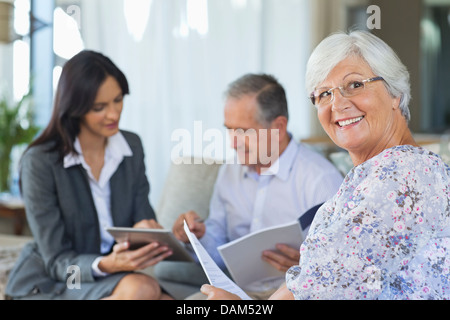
(282, 294)
(123, 259)
(284, 259)
(214, 293)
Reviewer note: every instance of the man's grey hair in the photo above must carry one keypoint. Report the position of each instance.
(270, 95)
(381, 58)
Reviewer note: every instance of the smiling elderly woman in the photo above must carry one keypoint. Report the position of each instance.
(386, 233)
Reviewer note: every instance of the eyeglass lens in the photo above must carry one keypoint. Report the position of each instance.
(324, 96)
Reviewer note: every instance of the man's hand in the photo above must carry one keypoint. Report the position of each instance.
(196, 226)
(148, 224)
(282, 261)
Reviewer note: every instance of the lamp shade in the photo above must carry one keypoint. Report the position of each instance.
(6, 22)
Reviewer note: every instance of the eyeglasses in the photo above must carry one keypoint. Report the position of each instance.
(323, 96)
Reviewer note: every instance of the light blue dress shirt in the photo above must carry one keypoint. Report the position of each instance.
(244, 202)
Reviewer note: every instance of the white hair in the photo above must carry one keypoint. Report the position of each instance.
(383, 61)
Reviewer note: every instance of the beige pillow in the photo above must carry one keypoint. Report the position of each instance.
(188, 187)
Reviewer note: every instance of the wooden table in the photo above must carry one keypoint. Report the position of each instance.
(14, 209)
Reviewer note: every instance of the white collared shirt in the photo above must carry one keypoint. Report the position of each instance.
(116, 149)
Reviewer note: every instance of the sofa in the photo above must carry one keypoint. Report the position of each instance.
(188, 186)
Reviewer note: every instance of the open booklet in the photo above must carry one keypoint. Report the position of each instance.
(242, 257)
(214, 274)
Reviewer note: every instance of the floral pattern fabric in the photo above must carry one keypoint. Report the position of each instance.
(384, 235)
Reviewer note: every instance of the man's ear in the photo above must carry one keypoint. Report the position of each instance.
(280, 123)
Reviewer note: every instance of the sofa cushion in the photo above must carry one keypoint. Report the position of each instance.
(442, 149)
(342, 161)
(188, 186)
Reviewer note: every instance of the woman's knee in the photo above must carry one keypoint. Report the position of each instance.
(138, 287)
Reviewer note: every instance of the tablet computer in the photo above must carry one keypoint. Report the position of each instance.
(141, 237)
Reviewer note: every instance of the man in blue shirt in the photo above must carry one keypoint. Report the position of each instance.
(275, 180)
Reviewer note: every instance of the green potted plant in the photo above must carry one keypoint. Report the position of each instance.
(16, 127)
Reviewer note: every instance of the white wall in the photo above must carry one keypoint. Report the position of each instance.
(176, 80)
(6, 67)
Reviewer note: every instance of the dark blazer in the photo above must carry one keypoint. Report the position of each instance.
(63, 218)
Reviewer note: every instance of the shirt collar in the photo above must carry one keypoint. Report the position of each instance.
(282, 166)
(117, 148)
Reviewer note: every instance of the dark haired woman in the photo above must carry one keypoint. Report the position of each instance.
(80, 175)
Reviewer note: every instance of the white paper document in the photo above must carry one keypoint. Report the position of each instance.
(243, 259)
(215, 275)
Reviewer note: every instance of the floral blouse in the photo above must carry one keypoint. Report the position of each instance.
(384, 235)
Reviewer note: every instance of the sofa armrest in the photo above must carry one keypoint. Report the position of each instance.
(10, 248)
